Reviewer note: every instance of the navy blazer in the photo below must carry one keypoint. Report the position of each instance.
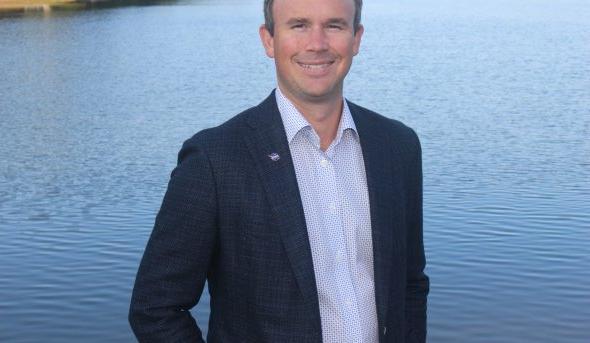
(234, 217)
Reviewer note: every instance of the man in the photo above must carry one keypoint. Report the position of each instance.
(304, 213)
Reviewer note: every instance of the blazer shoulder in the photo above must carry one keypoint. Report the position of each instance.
(395, 129)
(225, 135)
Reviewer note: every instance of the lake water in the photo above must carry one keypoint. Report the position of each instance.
(94, 106)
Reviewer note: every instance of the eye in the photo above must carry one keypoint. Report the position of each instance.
(298, 26)
(335, 27)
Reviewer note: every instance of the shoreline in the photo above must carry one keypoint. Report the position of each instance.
(18, 7)
(9, 8)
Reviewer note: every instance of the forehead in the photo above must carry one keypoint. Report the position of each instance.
(284, 10)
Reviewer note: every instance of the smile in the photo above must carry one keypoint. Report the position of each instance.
(315, 66)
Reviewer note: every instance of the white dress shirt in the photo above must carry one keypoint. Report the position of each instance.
(333, 189)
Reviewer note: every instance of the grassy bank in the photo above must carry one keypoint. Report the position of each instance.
(17, 7)
(22, 6)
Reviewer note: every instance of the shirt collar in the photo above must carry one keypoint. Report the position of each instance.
(294, 121)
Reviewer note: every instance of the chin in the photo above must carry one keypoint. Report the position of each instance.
(319, 91)
(311, 90)
(327, 93)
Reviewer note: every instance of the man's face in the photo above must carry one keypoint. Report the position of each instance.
(313, 46)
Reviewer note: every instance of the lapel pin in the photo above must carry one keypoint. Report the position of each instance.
(274, 157)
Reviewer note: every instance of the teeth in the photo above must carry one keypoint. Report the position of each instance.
(315, 66)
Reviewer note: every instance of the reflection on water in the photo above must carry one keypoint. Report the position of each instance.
(95, 105)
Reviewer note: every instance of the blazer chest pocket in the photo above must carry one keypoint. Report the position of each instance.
(260, 240)
(256, 226)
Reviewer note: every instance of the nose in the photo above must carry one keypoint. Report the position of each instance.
(318, 40)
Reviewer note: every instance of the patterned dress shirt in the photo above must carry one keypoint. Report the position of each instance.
(333, 189)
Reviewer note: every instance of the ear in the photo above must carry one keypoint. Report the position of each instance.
(357, 39)
(267, 41)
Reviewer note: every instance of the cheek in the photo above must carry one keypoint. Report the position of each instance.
(344, 48)
(288, 46)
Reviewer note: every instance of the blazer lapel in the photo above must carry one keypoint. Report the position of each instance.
(381, 169)
(270, 152)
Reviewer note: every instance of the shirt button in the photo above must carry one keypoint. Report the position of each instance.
(324, 163)
(339, 256)
(348, 302)
(332, 206)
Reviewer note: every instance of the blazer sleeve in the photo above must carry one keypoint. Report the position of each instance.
(417, 282)
(174, 266)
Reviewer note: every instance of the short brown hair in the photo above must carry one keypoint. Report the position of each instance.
(270, 23)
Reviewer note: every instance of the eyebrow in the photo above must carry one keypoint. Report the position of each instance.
(340, 21)
(293, 21)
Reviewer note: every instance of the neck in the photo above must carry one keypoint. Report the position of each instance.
(324, 116)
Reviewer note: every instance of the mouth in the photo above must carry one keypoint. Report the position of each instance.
(315, 66)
